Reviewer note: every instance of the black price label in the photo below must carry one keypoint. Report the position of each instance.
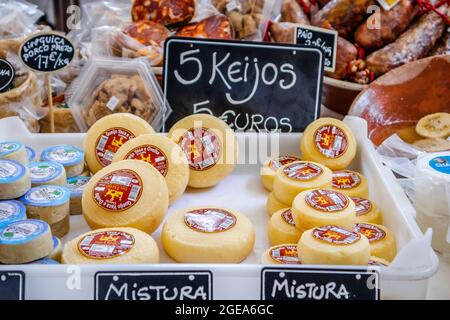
(252, 86)
(324, 39)
(47, 52)
(161, 285)
(319, 284)
(12, 285)
(7, 75)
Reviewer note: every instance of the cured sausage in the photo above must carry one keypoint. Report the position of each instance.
(392, 23)
(291, 11)
(413, 44)
(147, 32)
(282, 32)
(343, 16)
(214, 27)
(167, 12)
(443, 46)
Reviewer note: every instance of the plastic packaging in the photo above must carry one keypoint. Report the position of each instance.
(109, 85)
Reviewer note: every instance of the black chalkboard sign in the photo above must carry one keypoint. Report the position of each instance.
(47, 52)
(324, 39)
(7, 75)
(160, 285)
(251, 86)
(12, 285)
(319, 284)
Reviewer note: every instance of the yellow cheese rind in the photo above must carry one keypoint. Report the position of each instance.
(144, 250)
(373, 215)
(268, 173)
(286, 189)
(280, 231)
(266, 258)
(148, 211)
(273, 204)
(227, 159)
(314, 251)
(310, 152)
(177, 172)
(385, 248)
(57, 251)
(132, 123)
(187, 245)
(360, 190)
(61, 228)
(307, 217)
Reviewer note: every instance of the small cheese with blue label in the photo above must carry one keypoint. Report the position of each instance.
(47, 172)
(31, 154)
(25, 241)
(55, 255)
(49, 203)
(71, 157)
(10, 211)
(13, 150)
(76, 187)
(14, 179)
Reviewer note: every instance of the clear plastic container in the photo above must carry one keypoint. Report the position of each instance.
(110, 85)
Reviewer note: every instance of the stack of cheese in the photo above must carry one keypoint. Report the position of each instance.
(320, 211)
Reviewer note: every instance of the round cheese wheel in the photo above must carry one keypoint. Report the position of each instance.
(71, 157)
(319, 207)
(76, 187)
(210, 147)
(10, 211)
(111, 246)
(381, 239)
(329, 142)
(47, 172)
(108, 134)
(281, 254)
(14, 180)
(293, 178)
(367, 211)
(57, 250)
(127, 193)
(273, 204)
(15, 151)
(31, 154)
(282, 228)
(270, 168)
(350, 183)
(163, 154)
(333, 245)
(61, 228)
(379, 262)
(25, 241)
(208, 235)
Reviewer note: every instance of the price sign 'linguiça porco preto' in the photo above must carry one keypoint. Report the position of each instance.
(251, 86)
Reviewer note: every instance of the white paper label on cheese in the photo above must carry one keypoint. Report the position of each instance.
(303, 171)
(346, 179)
(202, 148)
(106, 244)
(331, 141)
(112, 103)
(441, 164)
(109, 142)
(335, 235)
(76, 184)
(9, 147)
(277, 163)
(23, 231)
(373, 233)
(64, 154)
(209, 220)
(285, 254)
(44, 171)
(151, 154)
(287, 217)
(327, 200)
(10, 171)
(11, 209)
(47, 195)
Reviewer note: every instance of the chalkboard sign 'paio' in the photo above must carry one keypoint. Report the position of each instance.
(12, 285)
(7, 75)
(252, 86)
(324, 39)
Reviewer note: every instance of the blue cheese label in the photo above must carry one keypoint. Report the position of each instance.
(41, 172)
(441, 164)
(22, 231)
(9, 147)
(76, 185)
(66, 155)
(10, 171)
(31, 153)
(11, 211)
(46, 196)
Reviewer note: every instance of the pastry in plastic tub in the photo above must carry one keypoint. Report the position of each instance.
(107, 86)
(71, 157)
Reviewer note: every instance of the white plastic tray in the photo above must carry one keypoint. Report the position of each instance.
(406, 278)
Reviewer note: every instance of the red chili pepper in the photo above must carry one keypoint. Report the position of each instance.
(266, 35)
(426, 6)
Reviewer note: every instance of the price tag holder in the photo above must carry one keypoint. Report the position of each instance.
(7, 75)
(159, 285)
(12, 285)
(319, 284)
(252, 86)
(324, 39)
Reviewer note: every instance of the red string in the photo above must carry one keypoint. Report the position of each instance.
(426, 6)
(305, 7)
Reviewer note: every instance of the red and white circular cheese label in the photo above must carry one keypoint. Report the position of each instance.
(210, 220)
(277, 163)
(331, 141)
(335, 235)
(151, 154)
(202, 148)
(106, 244)
(109, 142)
(372, 232)
(326, 200)
(346, 179)
(362, 206)
(302, 171)
(285, 254)
(118, 190)
(287, 217)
